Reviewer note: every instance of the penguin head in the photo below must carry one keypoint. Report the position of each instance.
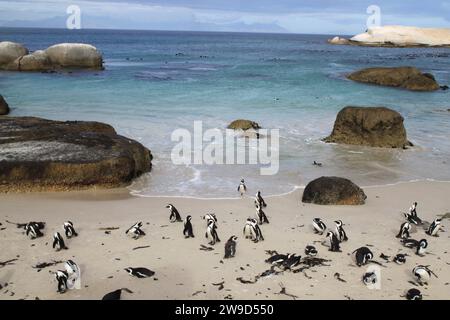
(129, 270)
(242, 180)
(330, 234)
(339, 223)
(188, 218)
(423, 243)
(233, 238)
(369, 256)
(438, 220)
(169, 206)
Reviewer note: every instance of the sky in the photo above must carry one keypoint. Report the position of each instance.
(340, 17)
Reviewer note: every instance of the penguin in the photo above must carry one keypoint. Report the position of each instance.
(61, 277)
(33, 230)
(317, 163)
(362, 256)
(252, 230)
(404, 230)
(412, 215)
(73, 273)
(420, 246)
(278, 258)
(211, 233)
(174, 214)
(340, 232)
(242, 188)
(400, 258)
(139, 272)
(210, 216)
(230, 247)
(334, 242)
(413, 294)
(311, 251)
(262, 218)
(291, 262)
(135, 231)
(259, 200)
(69, 230)
(319, 226)
(187, 231)
(423, 274)
(434, 228)
(116, 294)
(370, 278)
(58, 242)
(413, 209)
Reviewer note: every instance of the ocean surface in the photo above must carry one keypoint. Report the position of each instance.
(155, 82)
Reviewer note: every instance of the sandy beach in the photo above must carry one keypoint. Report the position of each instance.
(183, 271)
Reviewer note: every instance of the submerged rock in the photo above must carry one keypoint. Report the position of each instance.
(4, 107)
(369, 126)
(242, 124)
(403, 77)
(40, 154)
(333, 191)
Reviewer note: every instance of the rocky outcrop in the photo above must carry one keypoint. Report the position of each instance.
(339, 41)
(40, 154)
(369, 126)
(333, 191)
(14, 57)
(242, 124)
(4, 107)
(402, 77)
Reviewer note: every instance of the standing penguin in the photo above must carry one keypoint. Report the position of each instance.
(252, 230)
(262, 218)
(58, 242)
(319, 226)
(362, 256)
(187, 231)
(259, 200)
(230, 247)
(61, 278)
(211, 233)
(334, 242)
(33, 230)
(340, 232)
(412, 216)
(69, 230)
(434, 228)
(404, 230)
(210, 216)
(242, 188)
(174, 214)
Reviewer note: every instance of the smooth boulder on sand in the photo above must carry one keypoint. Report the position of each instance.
(39, 154)
(4, 107)
(369, 126)
(333, 191)
(401, 77)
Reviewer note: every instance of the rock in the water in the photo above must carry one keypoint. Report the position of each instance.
(4, 107)
(333, 191)
(9, 52)
(402, 77)
(243, 125)
(369, 126)
(36, 61)
(75, 55)
(338, 40)
(40, 154)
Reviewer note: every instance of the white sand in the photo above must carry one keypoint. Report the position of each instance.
(182, 269)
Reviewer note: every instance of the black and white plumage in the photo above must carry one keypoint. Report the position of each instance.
(33, 229)
(370, 278)
(211, 233)
(259, 200)
(340, 232)
(261, 216)
(116, 294)
(242, 188)
(135, 231)
(400, 258)
(139, 272)
(252, 230)
(278, 259)
(311, 251)
(413, 294)
(187, 230)
(404, 230)
(362, 256)
(69, 230)
(319, 226)
(434, 227)
(291, 261)
(174, 214)
(61, 277)
(74, 274)
(58, 242)
(423, 274)
(411, 216)
(333, 242)
(420, 246)
(210, 216)
(230, 247)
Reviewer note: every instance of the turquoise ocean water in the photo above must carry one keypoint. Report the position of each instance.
(155, 82)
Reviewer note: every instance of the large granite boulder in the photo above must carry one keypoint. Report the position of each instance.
(339, 41)
(75, 55)
(369, 126)
(9, 52)
(36, 61)
(40, 154)
(242, 124)
(333, 191)
(4, 107)
(402, 77)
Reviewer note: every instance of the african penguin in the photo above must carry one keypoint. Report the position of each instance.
(259, 200)
(370, 278)
(252, 230)
(411, 216)
(277, 258)
(262, 218)
(319, 226)
(135, 231)
(116, 294)
(291, 262)
(174, 214)
(230, 247)
(210, 216)
(187, 231)
(340, 232)
(139, 272)
(420, 246)
(33, 230)
(211, 233)
(423, 274)
(334, 242)
(404, 230)
(434, 227)
(310, 251)
(242, 188)
(58, 242)
(69, 230)
(400, 258)
(74, 274)
(362, 256)
(413, 294)
(61, 278)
